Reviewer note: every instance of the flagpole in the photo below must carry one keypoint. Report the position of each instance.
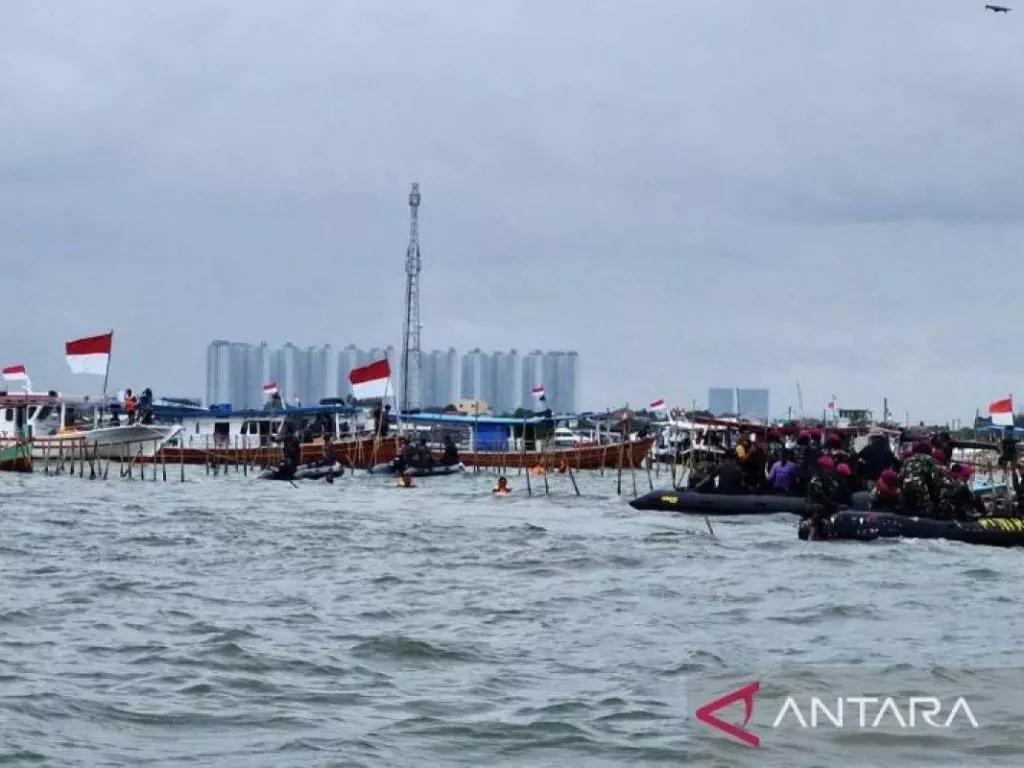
(106, 374)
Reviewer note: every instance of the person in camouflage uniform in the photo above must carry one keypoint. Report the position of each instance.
(822, 490)
(956, 501)
(885, 496)
(920, 481)
(701, 477)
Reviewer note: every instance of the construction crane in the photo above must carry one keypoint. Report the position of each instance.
(410, 390)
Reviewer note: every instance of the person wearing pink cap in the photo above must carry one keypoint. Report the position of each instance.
(822, 492)
(885, 496)
(956, 501)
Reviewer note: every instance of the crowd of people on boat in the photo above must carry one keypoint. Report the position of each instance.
(823, 467)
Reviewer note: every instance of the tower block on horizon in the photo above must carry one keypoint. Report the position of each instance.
(409, 393)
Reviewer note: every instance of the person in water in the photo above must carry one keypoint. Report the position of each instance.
(822, 490)
(405, 481)
(501, 488)
(782, 473)
(451, 453)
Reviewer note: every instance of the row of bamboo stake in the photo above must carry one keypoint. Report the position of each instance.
(62, 457)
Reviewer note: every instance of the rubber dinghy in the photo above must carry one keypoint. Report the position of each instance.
(431, 471)
(693, 503)
(867, 526)
(305, 472)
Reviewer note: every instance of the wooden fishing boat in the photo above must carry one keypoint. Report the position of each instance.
(582, 456)
(221, 435)
(495, 441)
(16, 458)
(360, 452)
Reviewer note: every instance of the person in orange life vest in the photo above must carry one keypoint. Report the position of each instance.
(130, 403)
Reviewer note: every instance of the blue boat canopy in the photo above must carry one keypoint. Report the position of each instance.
(459, 418)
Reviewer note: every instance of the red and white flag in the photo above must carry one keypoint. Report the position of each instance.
(90, 355)
(370, 381)
(658, 405)
(15, 372)
(1001, 412)
(270, 389)
(538, 392)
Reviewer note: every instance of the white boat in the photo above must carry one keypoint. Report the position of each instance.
(56, 425)
(223, 427)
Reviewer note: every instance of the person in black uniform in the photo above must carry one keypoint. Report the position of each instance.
(291, 453)
(451, 453)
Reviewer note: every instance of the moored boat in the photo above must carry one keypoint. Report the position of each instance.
(16, 458)
(490, 441)
(868, 526)
(55, 426)
(224, 436)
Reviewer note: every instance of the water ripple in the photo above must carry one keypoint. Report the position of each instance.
(228, 622)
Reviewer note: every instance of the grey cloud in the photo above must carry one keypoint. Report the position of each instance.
(688, 193)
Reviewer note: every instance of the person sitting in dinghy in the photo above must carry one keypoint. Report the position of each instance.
(728, 475)
(822, 492)
(920, 481)
(885, 495)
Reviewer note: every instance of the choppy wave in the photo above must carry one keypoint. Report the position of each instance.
(229, 622)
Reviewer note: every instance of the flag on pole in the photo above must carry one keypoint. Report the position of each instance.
(370, 381)
(15, 372)
(18, 372)
(270, 389)
(90, 354)
(539, 393)
(658, 405)
(1001, 412)
(831, 404)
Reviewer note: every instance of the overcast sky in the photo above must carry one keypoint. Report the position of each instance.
(744, 193)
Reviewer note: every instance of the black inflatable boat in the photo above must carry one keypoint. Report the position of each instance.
(851, 525)
(693, 503)
(433, 470)
(305, 472)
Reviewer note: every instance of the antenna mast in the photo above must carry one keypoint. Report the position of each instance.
(411, 332)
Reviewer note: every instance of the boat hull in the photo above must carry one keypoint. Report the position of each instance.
(693, 503)
(869, 526)
(306, 472)
(123, 442)
(358, 452)
(16, 458)
(437, 470)
(608, 456)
